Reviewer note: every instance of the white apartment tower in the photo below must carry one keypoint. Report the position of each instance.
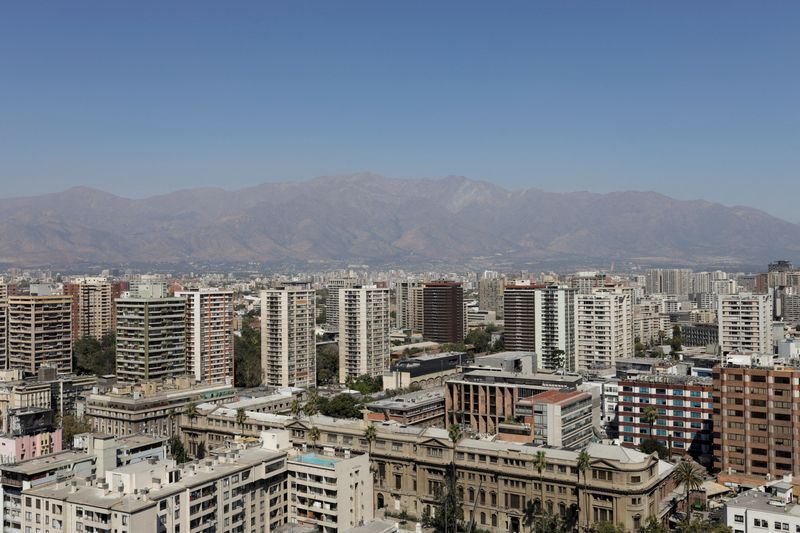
(668, 281)
(603, 330)
(288, 342)
(209, 334)
(3, 333)
(744, 322)
(363, 332)
(332, 301)
(406, 306)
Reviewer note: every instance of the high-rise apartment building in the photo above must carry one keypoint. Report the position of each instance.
(649, 319)
(363, 332)
(604, 329)
(288, 343)
(444, 316)
(408, 308)
(151, 338)
(332, 300)
(674, 281)
(40, 332)
(92, 307)
(755, 420)
(518, 304)
(542, 319)
(490, 295)
(3, 333)
(744, 322)
(209, 334)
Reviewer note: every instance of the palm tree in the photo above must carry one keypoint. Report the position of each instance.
(583, 464)
(191, 412)
(312, 403)
(241, 418)
(313, 435)
(370, 435)
(540, 464)
(651, 416)
(296, 409)
(688, 473)
(456, 434)
(529, 516)
(171, 414)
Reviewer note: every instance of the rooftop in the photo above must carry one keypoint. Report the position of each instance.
(556, 397)
(761, 501)
(406, 400)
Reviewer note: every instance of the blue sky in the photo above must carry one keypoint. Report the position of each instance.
(692, 99)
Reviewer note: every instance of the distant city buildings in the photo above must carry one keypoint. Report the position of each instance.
(490, 295)
(674, 281)
(409, 310)
(288, 343)
(209, 334)
(364, 327)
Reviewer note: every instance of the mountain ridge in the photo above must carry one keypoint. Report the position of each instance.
(366, 217)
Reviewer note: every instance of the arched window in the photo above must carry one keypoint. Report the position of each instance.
(483, 519)
(483, 497)
(494, 520)
(562, 509)
(549, 506)
(471, 494)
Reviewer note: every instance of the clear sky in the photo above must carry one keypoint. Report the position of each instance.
(695, 99)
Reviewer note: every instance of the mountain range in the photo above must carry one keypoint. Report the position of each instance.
(368, 218)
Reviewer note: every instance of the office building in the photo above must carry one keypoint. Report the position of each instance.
(332, 300)
(209, 334)
(519, 309)
(288, 343)
(684, 405)
(755, 421)
(482, 400)
(40, 332)
(418, 408)
(604, 329)
(408, 305)
(444, 315)
(744, 322)
(490, 295)
(151, 338)
(92, 307)
(364, 327)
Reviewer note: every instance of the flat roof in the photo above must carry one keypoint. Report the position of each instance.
(410, 399)
(46, 462)
(760, 501)
(555, 397)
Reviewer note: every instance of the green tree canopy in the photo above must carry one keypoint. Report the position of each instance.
(247, 358)
(92, 356)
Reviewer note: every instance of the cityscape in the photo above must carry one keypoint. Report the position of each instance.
(399, 267)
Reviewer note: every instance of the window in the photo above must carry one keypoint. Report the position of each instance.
(738, 518)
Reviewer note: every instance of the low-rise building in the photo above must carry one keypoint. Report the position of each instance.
(419, 408)
(757, 511)
(425, 370)
(330, 491)
(560, 419)
(684, 407)
(150, 407)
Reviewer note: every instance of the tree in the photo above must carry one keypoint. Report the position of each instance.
(550, 523)
(92, 356)
(480, 339)
(247, 358)
(327, 364)
(366, 384)
(313, 435)
(529, 516)
(201, 450)
(557, 359)
(370, 435)
(540, 464)
(661, 336)
(241, 418)
(701, 525)
(689, 474)
(312, 403)
(191, 412)
(71, 426)
(676, 342)
(583, 464)
(651, 445)
(171, 414)
(608, 527)
(653, 526)
(296, 409)
(651, 416)
(340, 406)
(176, 449)
(448, 505)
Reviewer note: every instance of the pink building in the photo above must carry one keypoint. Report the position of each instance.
(20, 448)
